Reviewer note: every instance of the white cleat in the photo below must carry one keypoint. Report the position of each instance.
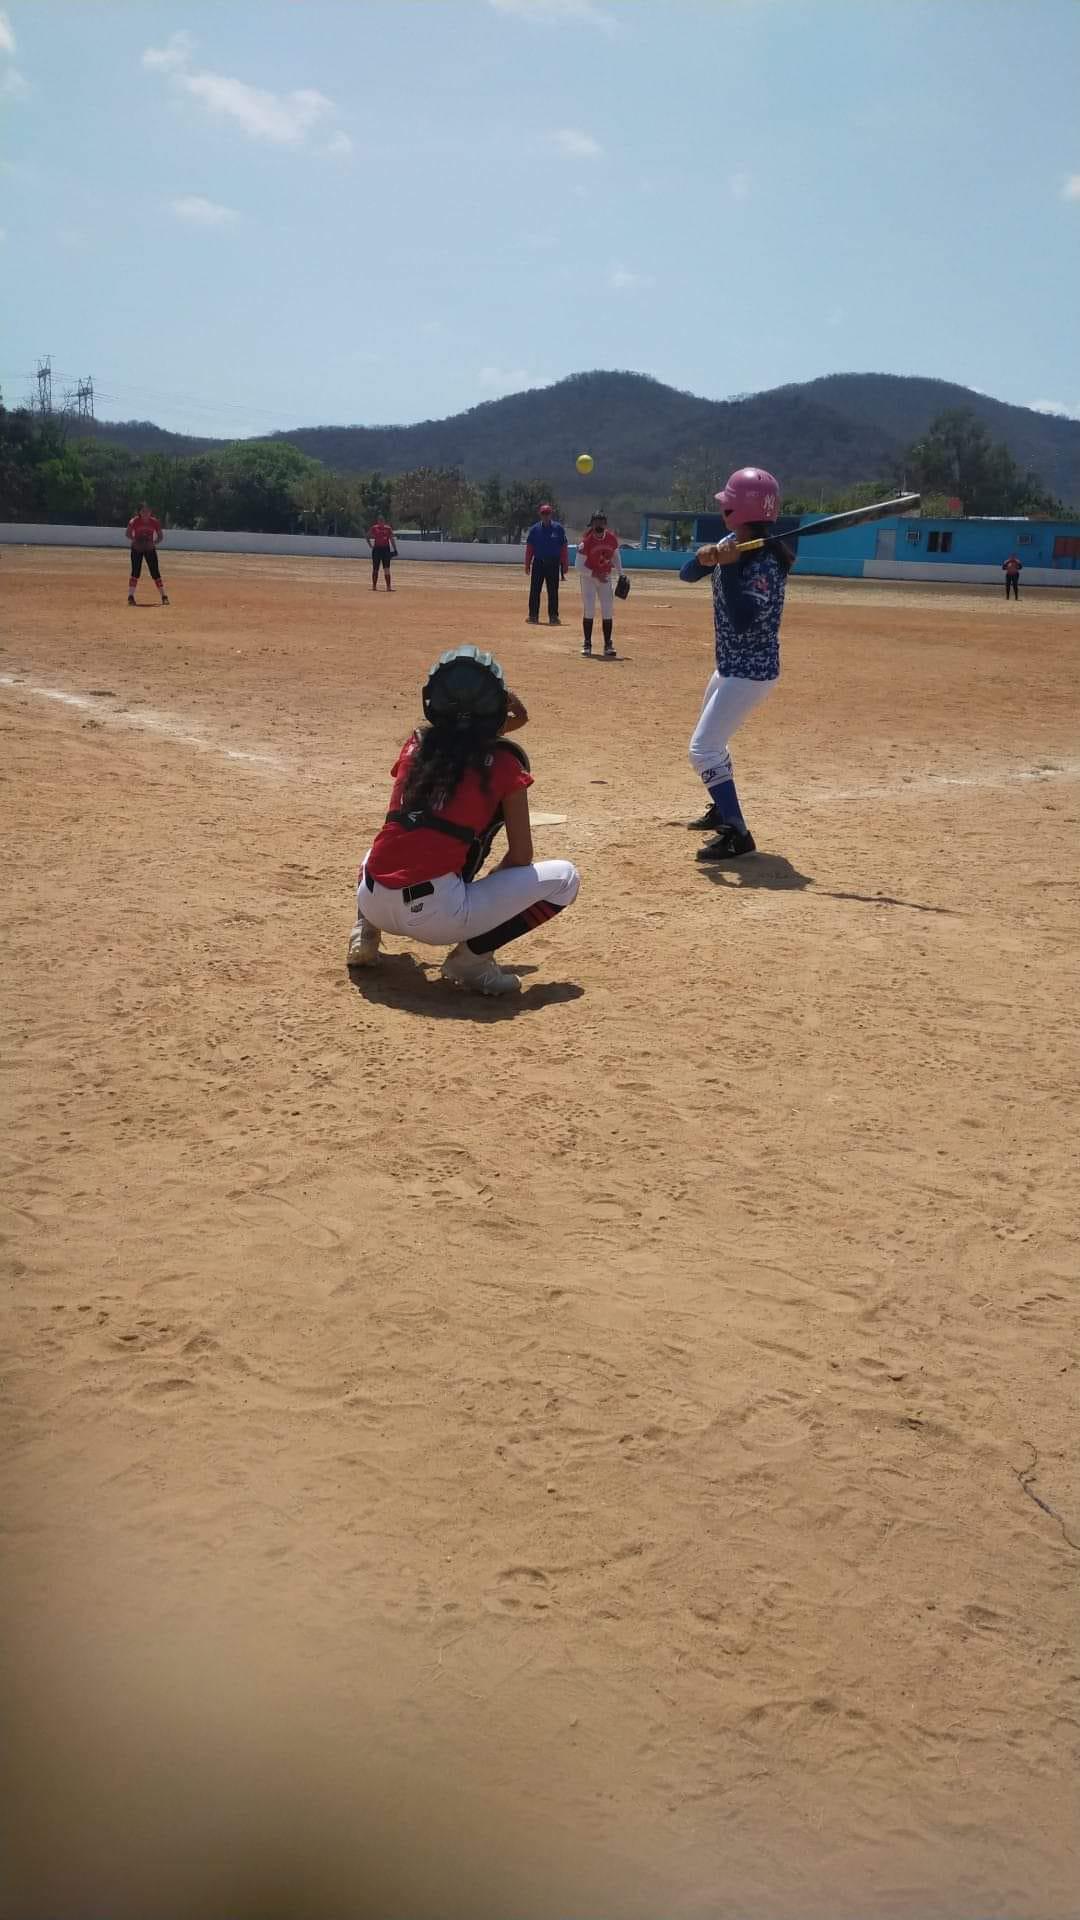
(479, 972)
(364, 943)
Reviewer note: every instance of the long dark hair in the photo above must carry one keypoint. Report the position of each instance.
(763, 530)
(445, 755)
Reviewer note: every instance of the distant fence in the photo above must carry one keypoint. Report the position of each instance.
(835, 565)
(185, 540)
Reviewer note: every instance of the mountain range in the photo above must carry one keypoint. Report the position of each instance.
(817, 435)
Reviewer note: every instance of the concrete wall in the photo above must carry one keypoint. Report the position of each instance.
(978, 550)
(182, 540)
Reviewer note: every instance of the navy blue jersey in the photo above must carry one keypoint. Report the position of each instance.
(748, 604)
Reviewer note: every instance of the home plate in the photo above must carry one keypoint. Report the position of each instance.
(548, 819)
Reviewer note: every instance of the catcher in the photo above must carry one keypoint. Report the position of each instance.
(457, 781)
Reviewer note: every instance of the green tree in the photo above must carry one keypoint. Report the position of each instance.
(375, 497)
(431, 496)
(696, 479)
(492, 503)
(520, 503)
(957, 457)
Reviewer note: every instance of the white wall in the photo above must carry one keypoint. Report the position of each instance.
(180, 540)
(949, 573)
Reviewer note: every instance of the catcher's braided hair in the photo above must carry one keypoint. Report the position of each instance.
(445, 755)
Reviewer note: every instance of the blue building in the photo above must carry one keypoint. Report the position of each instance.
(900, 548)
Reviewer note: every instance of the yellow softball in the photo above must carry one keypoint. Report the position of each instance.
(584, 463)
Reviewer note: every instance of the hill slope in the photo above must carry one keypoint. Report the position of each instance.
(822, 433)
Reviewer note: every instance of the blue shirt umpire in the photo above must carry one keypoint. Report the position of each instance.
(547, 558)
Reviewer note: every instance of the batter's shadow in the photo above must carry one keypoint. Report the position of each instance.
(769, 870)
(400, 980)
(777, 875)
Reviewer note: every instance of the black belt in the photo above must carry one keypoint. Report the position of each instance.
(408, 894)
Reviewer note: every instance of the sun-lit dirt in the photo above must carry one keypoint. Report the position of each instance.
(606, 1427)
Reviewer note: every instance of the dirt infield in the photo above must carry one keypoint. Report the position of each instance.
(612, 1428)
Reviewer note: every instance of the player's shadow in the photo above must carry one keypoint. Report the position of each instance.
(772, 871)
(400, 980)
(769, 870)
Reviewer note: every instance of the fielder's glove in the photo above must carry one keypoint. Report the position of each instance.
(622, 587)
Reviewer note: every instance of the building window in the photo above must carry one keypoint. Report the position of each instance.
(914, 536)
(946, 543)
(932, 542)
(1026, 540)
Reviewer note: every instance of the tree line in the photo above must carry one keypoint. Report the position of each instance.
(269, 486)
(955, 459)
(253, 486)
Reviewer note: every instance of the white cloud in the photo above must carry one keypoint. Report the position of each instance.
(340, 144)
(13, 83)
(1071, 188)
(574, 145)
(624, 281)
(176, 53)
(201, 212)
(1057, 407)
(545, 12)
(7, 35)
(286, 119)
(739, 186)
(507, 380)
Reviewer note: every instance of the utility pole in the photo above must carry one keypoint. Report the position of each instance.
(84, 399)
(44, 386)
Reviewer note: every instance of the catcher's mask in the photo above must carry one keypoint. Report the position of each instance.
(466, 692)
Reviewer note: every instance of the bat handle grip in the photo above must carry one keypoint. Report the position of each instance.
(749, 546)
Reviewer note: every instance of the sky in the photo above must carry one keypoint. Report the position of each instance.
(273, 213)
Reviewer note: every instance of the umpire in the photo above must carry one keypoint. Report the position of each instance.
(547, 559)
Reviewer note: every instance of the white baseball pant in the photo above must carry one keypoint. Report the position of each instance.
(726, 705)
(460, 909)
(592, 590)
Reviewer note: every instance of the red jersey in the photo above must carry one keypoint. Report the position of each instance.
(401, 855)
(381, 534)
(144, 533)
(598, 551)
(1012, 565)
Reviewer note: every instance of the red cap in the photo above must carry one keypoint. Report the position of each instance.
(545, 506)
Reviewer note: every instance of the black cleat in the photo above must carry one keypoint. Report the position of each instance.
(586, 653)
(610, 653)
(164, 599)
(131, 599)
(710, 822)
(730, 844)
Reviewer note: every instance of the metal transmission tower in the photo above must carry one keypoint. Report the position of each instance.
(84, 399)
(44, 386)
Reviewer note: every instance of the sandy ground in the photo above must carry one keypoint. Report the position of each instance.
(570, 1457)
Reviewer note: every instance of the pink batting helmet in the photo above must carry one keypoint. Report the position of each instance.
(751, 494)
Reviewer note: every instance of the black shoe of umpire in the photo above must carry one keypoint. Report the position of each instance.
(730, 844)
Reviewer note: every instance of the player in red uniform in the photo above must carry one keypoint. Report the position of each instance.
(144, 537)
(380, 538)
(598, 557)
(457, 781)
